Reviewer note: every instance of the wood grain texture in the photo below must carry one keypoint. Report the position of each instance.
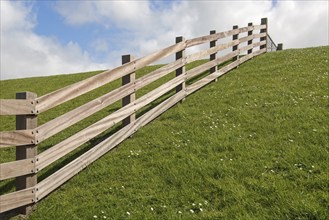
(52, 154)
(17, 168)
(201, 68)
(60, 96)
(64, 174)
(16, 138)
(17, 199)
(17, 107)
(70, 118)
(208, 38)
(199, 55)
(258, 27)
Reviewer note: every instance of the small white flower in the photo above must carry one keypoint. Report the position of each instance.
(312, 166)
(191, 210)
(128, 213)
(272, 171)
(221, 159)
(179, 212)
(301, 168)
(152, 209)
(205, 202)
(310, 171)
(201, 209)
(102, 212)
(122, 187)
(95, 216)
(104, 217)
(193, 204)
(231, 159)
(200, 204)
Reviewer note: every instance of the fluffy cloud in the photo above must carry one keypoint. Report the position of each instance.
(142, 27)
(26, 54)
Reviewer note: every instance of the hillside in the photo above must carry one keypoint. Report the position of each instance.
(254, 145)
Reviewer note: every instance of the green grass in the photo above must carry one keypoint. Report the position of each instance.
(254, 145)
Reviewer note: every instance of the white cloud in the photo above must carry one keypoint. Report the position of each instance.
(26, 54)
(146, 27)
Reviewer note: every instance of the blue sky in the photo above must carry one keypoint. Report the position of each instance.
(57, 37)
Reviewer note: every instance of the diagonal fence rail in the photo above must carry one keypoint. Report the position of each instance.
(245, 43)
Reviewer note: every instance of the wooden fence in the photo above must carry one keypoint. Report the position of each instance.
(246, 43)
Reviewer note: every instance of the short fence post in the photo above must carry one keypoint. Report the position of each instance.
(235, 37)
(181, 70)
(24, 122)
(250, 41)
(264, 30)
(213, 56)
(280, 47)
(129, 98)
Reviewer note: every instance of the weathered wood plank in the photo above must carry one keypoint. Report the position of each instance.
(246, 38)
(17, 199)
(17, 168)
(17, 107)
(259, 35)
(68, 119)
(16, 138)
(204, 53)
(65, 94)
(208, 38)
(201, 68)
(52, 154)
(64, 174)
(258, 27)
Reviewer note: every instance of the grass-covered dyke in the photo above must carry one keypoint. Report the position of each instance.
(254, 145)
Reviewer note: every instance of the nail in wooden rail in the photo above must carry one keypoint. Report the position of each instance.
(129, 98)
(235, 37)
(181, 70)
(213, 56)
(24, 122)
(264, 30)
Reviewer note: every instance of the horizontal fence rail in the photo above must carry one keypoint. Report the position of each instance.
(246, 43)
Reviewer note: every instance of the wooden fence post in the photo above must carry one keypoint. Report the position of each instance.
(235, 37)
(250, 41)
(181, 70)
(264, 22)
(213, 56)
(280, 47)
(24, 122)
(129, 98)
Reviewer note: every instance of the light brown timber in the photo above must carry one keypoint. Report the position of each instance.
(17, 107)
(17, 168)
(17, 199)
(16, 138)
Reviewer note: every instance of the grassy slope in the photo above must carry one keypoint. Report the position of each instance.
(254, 145)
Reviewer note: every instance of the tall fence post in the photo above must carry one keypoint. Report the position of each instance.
(213, 56)
(264, 30)
(280, 46)
(181, 70)
(24, 122)
(250, 41)
(235, 37)
(129, 98)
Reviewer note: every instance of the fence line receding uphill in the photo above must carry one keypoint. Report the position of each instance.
(246, 43)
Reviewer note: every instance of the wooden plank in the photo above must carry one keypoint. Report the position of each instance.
(245, 29)
(245, 48)
(259, 35)
(208, 38)
(65, 94)
(259, 52)
(246, 38)
(52, 154)
(201, 68)
(24, 122)
(16, 138)
(130, 78)
(199, 55)
(17, 199)
(64, 174)
(68, 119)
(17, 168)
(17, 107)
(258, 27)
